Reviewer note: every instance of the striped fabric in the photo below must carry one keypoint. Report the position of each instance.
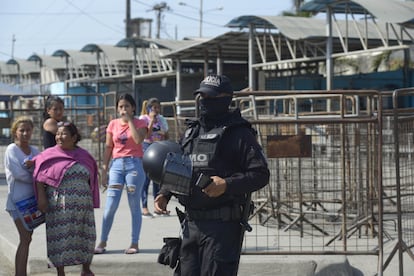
(70, 222)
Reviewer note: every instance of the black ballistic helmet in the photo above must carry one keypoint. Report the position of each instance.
(154, 157)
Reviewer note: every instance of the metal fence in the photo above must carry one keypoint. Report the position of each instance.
(341, 165)
(89, 112)
(323, 153)
(333, 158)
(399, 191)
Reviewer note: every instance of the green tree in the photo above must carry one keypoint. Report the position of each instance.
(297, 4)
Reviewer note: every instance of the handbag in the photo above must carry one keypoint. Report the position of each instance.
(29, 214)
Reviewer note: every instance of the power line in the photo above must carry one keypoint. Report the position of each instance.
(5, 54)
(143, 3)
(55, 13)
(90, 16)
(194, 19)
(62, 35)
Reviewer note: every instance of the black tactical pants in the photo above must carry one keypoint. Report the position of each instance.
(209, 247)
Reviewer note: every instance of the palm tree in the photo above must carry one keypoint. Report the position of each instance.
(297, 4)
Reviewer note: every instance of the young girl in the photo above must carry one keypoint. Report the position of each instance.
(157, 131)
(53, 114)
(124, 136)
(19, 169)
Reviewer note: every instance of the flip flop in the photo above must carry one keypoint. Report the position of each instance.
(99, 250)
(131, 250)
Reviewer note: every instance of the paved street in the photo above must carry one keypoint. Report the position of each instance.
(6, 268)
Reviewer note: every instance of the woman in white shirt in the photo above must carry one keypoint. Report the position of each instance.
(19, 175)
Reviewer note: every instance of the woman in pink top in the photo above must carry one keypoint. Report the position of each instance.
(124, 136)
(157, 131)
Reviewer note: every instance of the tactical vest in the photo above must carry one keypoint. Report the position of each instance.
(202, 146)
(180, 172)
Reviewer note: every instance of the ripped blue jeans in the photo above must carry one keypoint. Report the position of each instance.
(124, 171)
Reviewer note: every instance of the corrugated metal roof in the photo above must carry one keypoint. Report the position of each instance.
(124, 53)
(112, 52)
(335, 5)
(232, 46)
(25, 66)
(391, 11)
(297, 28)
(76, 57)
(289, 26)
(170, 44)
(7, 69)
(52, 62)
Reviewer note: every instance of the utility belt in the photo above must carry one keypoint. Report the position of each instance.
(225, 213)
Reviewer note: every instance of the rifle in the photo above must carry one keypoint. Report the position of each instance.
(244, 222)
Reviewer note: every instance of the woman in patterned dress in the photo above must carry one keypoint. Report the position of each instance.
(67, 191)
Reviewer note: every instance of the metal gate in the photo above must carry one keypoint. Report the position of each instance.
(341, 166)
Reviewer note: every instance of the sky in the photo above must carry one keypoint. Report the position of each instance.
(44, 26)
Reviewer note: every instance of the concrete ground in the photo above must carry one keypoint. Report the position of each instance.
(115, 262)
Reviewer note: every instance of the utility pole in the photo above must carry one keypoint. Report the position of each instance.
(128, 19)
(12, 50)
(201, 12)
(201, 18)
(159, 9)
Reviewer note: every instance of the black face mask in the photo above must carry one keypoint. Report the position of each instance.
(214, 107)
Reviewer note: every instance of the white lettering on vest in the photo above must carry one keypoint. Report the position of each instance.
(199, 157)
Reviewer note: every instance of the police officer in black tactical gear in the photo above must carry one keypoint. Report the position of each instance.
(228, 164)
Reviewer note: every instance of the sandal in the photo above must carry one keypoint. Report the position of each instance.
(99, 250)
(147, 215)
(162, 214)
(131, 250)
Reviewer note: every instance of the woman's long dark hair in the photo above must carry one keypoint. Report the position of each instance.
(50, 101)
(127, 97)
